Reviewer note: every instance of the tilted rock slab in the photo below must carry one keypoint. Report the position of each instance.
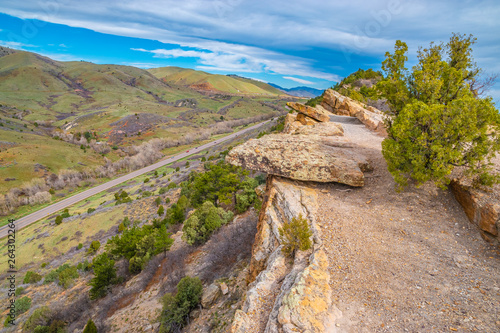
(301, 157)
(345, 106)
(298, 295)
(318, 112)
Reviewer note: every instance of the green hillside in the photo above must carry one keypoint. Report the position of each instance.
(213, 82)
(46, 104)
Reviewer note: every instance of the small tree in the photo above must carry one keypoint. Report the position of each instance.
(295, 235)
(105, 275)
(59, 219)
(90, 327)
(437, 120)
(161, 210)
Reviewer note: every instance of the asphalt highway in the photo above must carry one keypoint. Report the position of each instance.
(44, 212)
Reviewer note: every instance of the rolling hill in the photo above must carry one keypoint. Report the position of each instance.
(306, 92)
(213, 82)
(119, 106)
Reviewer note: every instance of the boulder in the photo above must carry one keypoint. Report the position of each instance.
(291, 123)
(305, 120)
(318, 113)
(482, 209)
(240, 322)
(224, 288)
(300, 157)
(336, 103)
(210, 295)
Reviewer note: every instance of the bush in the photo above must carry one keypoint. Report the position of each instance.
(161, 210)
(90, 327)
(39, 317)
(122, 197)
(94, 247)
(19, 291)
(22, 305)
(167, 201)
(163, 190)
(187, 164)
(177, 169)
(59, 219)
(52, 191)
(79, 247)
(146, 180)
(172, 185)
(203, 222)
(176, 308)
(65, 213)
(158, 201)
(64, 275)
(90, 210)
(295, 235)
(31, 277)
(44, 264)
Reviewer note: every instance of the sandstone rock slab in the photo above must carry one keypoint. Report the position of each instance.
(210, 294)
(318, 112)
(301, 157)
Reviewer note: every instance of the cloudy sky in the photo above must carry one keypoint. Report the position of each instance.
(291, 43)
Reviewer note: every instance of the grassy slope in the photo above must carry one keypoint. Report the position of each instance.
(223, 83)
(90, 97)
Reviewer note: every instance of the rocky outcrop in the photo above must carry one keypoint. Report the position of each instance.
(300, 157)
(210, 294)
(482, 209)
(318, 113)
(293, 126)
(285, 296)
(345, 106)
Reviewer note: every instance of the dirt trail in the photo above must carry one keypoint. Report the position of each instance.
(405, 262)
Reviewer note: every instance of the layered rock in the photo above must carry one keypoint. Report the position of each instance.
(345, 106)
(482, 209)
(300, 157)
(293, 126)
(283, 296)
(318, 113)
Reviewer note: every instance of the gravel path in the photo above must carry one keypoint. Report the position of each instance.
(405, 262)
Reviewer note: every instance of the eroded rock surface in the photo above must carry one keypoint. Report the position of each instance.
(345, 106)
(300, 157)
(318, 113)
(482, 209)
(285, 296)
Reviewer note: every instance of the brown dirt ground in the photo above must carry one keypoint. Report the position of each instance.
(405, 262)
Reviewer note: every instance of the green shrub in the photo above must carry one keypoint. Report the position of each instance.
(19, 291)
(172, 185)
(59, 219)
(122, 197)
(163, 190)
(160, 211)
(52, 191)
(295, 235)
(31, 277)
(203, 222)
(65, 213)
(176, 308)
(67, 276)
(187, 164)
(167, 201)
(146, 180)
(79, 247)
(39, 317)
(94, 247)
(158, 201)
(90, 210)
(42, 329)
(44, 264)
(90, 327)
(22, 305)
(177, 169)
(164, 174)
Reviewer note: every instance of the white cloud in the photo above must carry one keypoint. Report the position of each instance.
(240, 58)
(15, 45)
(298, 80)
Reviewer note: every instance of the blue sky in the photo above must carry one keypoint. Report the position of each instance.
(291, 43)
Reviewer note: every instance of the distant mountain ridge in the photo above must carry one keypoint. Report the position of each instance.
(299, 91)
